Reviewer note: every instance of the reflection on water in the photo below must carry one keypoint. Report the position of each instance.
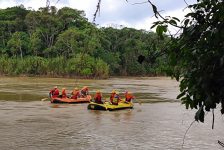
(33, 124)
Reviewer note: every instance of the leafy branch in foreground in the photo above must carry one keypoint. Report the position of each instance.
(196, 56)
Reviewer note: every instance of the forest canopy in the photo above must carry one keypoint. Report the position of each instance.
(62, 42)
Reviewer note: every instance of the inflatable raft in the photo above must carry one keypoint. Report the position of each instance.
(110, 107)
(71, 101)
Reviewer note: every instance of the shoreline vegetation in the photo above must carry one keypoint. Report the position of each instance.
(63, 43)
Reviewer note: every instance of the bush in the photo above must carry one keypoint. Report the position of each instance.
(101, 69)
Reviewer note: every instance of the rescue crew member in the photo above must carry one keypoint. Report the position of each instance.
(75, 93)
(63, 93)
(114, 97)
(54, 92)
(128, 97)
(98, 97)
(84, 91)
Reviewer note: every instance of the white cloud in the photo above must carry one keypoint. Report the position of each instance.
(89, 6)
(35, 4)
(147, 22)
(4, 4)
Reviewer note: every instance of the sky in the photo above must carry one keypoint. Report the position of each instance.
(114, 12)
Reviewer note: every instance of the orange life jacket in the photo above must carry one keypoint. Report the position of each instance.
(98, 98)
(63, 93)
(84, 91)
(129, 97)
(114, 98)
(75, 94)
(54, 93)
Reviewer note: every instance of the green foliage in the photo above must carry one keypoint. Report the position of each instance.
(4, 67)
(113, 60)
(57, 66)
(72, 18)
(86, 66)
(28, 65)
(101, 69)
(83, 64)
(196, 57)
(69, 42)
(63, 43)
(34, 66)
(18, 44)
(135, 69)
(35, 44)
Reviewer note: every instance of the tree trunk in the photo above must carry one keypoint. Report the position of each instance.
(21, 52)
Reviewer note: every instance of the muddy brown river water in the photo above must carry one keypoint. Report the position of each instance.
(159, 122)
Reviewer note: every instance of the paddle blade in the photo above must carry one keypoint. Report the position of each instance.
(43, 99)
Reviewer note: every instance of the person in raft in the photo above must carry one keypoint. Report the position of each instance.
(54, 92)
(84, 91)
(114, 97)
(75, 93)
(63, 93)
(98, 97)
(128, 97)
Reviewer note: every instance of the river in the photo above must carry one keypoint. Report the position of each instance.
(158, 122)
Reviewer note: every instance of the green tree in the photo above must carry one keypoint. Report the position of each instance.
(70, 42)
(47, 23)
(35, 44)
(11, 20)
(82, 65)
(101, 69)
(72, 18)
(67, 40)
(18, 44)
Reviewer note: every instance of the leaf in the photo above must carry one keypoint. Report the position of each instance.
(181, 95)
(186, 22)
(153, 26)
(173, 22)
(156, 23)
(200, 114)
(164, 29)
(175, 18)
(190, 15)
(222, 111)
(160, 29)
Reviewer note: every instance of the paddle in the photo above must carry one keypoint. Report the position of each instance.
(46, 98)
(43, 99)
